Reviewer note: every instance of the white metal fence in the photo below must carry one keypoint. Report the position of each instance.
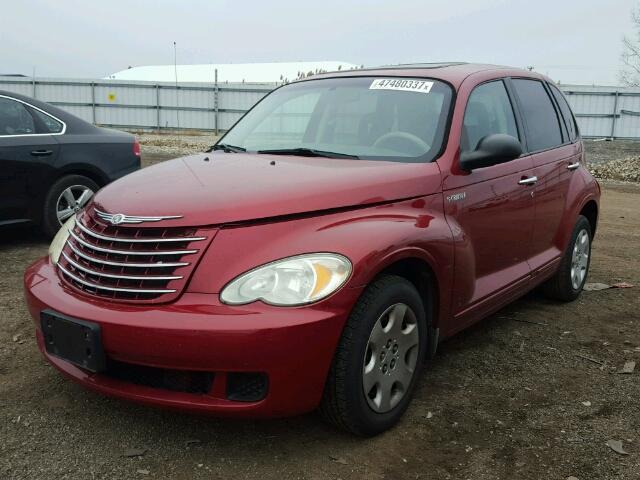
(605, 112)
(144, 105)
(610, 112)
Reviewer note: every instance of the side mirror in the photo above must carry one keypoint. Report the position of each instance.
(491, 150)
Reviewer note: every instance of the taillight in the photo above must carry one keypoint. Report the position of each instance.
(136, 147)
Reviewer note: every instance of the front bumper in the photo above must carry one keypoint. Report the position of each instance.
(292, 346)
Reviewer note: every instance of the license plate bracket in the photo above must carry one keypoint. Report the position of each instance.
(76, 341)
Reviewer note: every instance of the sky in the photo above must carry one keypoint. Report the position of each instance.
(572, 41)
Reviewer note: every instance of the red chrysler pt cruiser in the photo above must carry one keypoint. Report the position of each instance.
(316, 255)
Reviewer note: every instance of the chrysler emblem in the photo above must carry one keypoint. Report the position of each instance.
(117, 219)
(120, 218)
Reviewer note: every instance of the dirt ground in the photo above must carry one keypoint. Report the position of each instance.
(529, 393)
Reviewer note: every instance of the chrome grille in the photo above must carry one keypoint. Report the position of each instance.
(130, 263)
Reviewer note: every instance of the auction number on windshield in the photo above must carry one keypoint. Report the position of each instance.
(402, 84)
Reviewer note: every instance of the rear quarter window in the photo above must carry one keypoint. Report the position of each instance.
(46, 123)
(541, 120)
(567, 114)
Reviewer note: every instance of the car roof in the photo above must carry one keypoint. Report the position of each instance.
(451, 72)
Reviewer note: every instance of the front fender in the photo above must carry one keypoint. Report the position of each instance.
(373, 238)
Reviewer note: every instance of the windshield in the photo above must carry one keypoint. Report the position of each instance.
(398, 119)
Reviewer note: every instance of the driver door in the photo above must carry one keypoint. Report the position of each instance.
(491, 212)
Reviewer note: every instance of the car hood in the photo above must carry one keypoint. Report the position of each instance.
(218, 188)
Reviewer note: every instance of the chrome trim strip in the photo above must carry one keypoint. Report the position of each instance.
(136, 240)
(64, 125)
(123, 277)
(133, 218)
(122, 264)
(132, 252)
(111, 289)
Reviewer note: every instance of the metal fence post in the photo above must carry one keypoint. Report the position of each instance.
(158, 107)
(615, 112)
(216, 93)
(93, 102)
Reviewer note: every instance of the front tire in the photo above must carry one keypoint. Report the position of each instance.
(566, 285)
(65, 197)
(379, 357)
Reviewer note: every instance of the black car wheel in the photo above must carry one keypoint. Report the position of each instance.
(571, 276)
(378, 359)
(65, 197)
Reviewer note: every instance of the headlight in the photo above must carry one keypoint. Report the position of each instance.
(60, 239)
(290, 281)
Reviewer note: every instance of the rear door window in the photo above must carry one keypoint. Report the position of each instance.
(567, 114)
(488, 111)
(15, 119)
(540, 117)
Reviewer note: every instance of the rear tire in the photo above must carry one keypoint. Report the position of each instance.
(65, 197)
(382, 350)
(566, 285)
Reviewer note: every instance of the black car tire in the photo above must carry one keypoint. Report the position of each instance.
(50, 224)
(344, 403)
(560, 286)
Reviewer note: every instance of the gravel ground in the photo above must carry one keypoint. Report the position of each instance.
(625, 169)
(602, 151)
(530, 393)
(176, 145)
(614, 160)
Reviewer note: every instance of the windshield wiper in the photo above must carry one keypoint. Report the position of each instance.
(228, 148)
(307, 152)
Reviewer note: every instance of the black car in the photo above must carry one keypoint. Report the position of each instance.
(51, 163)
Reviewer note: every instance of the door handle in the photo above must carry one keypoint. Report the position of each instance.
(41, 153)
(528, 181)
(573, 166)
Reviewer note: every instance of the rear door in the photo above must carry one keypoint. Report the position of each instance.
(492, 207)
(555, 154)
(27, 152)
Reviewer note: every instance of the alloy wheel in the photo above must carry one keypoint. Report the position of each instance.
(72, 200)
(580, 259)
(390, 358)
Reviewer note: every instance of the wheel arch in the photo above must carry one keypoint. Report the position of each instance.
(84, 170)
(590, 211)
(580, 201)
(40, 197)
(421, 274)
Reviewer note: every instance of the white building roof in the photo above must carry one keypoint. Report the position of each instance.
(230, 72)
